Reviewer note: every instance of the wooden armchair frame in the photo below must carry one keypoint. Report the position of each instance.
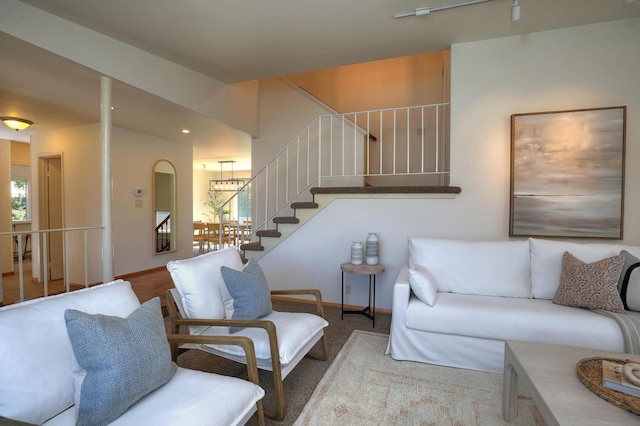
(245, 343)
(176, 321)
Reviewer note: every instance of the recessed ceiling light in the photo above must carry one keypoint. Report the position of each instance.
(186, 131)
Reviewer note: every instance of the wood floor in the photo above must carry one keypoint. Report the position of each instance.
(146, 285)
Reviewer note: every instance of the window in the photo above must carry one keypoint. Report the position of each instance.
(20, 200)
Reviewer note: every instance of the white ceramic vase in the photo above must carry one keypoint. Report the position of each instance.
(356, 253)
(371, 250)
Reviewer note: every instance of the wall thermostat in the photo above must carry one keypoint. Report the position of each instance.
(138, 192)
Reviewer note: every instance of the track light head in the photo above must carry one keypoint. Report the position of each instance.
(515, 11)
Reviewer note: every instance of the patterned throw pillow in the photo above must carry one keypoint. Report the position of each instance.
(124, 359)
(590, 285)
(249, 290)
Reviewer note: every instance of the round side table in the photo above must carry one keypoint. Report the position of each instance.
(372, 271)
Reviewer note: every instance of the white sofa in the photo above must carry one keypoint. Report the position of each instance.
(489, 292)
(37, 363)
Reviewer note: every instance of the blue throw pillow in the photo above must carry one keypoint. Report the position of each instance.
(124, 359)
(249, 290)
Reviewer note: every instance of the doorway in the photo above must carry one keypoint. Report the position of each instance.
(51, 215)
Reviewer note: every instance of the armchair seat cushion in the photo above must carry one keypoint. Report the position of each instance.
(294, 330)
(227, 401)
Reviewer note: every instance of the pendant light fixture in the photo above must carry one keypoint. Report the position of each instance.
(230, 184)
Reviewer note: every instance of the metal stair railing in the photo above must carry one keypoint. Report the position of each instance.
(344, 150)
(69, 249)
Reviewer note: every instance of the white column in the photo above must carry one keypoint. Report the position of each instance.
(105, 140)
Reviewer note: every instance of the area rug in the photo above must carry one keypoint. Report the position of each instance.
(363, 386)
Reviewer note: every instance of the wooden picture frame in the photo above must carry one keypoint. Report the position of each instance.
(567, 173)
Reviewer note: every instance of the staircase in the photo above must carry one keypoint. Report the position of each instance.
(398, 150)
(307, 210)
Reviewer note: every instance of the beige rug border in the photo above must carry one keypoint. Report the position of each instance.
(331, 372)
(330, 376)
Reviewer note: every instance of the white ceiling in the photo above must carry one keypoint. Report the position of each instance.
(234, 41)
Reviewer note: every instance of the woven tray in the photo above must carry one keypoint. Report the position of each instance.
(590, 374)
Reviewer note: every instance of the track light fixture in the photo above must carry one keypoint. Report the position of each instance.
(515, 11)
(426, 10)
(16, 123)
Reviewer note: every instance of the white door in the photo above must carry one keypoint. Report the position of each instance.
(51, 214)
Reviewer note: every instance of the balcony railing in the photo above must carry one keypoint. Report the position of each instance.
(387, 147)
(74, 242)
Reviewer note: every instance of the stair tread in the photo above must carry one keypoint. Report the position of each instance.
(252, 246)
(269, 233)
(304, 205)
(387, 190)
(286, 219)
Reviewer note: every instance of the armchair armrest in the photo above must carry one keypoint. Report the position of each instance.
(401, 291)
(176, 321)
(311, 292)
(244, 342)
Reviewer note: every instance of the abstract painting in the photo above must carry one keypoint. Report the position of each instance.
(567, 173)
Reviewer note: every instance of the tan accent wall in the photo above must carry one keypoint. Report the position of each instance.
(20, 153)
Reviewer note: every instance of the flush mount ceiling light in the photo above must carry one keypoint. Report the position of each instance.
(16, 123)
(426, 10)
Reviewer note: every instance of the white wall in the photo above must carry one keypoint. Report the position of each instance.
(284, 112)
(79, 149)
(133, 157)
(581, 67)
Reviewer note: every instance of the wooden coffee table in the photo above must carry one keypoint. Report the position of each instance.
(549, 373)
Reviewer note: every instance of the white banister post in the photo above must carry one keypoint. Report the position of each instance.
(105, 141)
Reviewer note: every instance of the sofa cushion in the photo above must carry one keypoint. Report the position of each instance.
(249, 290)
(546, 261)
(201, 286)
(504, 318)
(490, 268)
(123, 360)
(423, 284)
(590, 285)
(36, 372)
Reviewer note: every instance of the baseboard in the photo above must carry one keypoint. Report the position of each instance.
(329, 304)
(138, 273)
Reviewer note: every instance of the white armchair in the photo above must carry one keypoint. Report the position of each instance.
(203, 302)
(40, 382)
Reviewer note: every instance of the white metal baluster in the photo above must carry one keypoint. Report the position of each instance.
(66, 261)
(408, 141)
(86, 259)
(422, 142)
(320, 152)
(395, 115)
(20, 267)
(45, 259)
(266, 199)
(437, 139)
(355, 144)
(368, 166)
(286, 174)
(380, 142)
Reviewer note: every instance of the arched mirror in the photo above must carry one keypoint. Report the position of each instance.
(164, 207)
